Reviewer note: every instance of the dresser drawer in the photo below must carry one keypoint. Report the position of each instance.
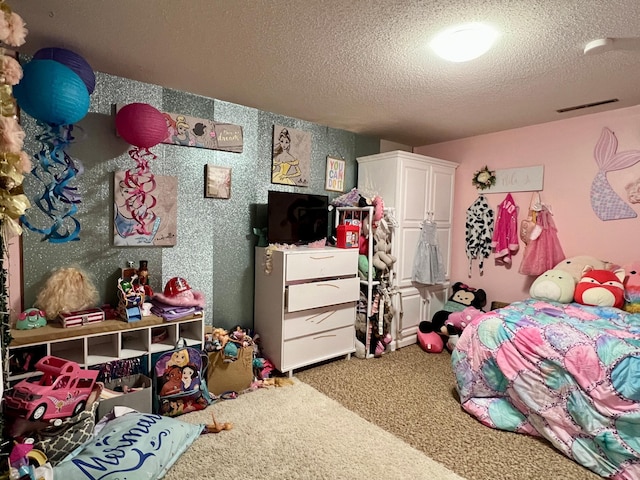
(319, 294)
(317, 347)
(321, 264)
(300, 324)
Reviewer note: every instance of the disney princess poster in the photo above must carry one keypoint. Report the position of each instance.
(291, 156)
(145, 216)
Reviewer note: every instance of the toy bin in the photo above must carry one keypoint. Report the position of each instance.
(347, 236)
(138, 396)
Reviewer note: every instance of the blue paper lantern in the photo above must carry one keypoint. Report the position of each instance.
(52, 93)
(72, 60)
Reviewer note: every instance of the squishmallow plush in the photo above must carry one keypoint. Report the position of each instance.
(601, 287)
(553, 286)
(632, 287)
(576, 265)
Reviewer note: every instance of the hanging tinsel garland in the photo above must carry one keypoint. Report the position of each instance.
(13, 164)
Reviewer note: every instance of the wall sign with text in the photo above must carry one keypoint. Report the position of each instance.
(523, 179)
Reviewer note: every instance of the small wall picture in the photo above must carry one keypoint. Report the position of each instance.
(291, 156)
(217, 182)
(334, 180)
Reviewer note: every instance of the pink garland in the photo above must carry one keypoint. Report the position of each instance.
(12, 28)
(11, 70)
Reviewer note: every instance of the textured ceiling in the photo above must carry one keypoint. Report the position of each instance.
(359, 65)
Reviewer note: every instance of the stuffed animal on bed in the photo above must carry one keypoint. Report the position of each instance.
(601, 288)
(632, 287)
(553, 286)
(575, 265)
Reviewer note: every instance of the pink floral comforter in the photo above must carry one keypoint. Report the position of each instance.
(567, 372)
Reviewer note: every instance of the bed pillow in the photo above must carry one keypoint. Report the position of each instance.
(136, 445)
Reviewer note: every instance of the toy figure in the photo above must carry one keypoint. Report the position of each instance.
(216, 427)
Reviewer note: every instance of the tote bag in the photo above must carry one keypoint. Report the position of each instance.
(529, 228)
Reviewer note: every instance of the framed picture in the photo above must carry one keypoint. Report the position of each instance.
(291, 156)
(217, 182)
(334, 179)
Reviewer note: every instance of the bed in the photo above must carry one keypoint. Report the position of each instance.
(567, 372)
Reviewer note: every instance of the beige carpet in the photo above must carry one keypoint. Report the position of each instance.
(294, 432)
(411, 394)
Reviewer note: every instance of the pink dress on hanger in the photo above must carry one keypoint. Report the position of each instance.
(545, 252)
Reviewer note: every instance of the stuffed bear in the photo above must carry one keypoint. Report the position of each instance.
(601, 288)
(382, 258)
(553, 286)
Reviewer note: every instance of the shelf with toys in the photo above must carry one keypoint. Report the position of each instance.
(373, 324)
(102, 342)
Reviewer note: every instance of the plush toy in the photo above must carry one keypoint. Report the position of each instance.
(601, 287)
(553, 286)
(382, 258)
(363, 267)
(632, 287)
(428, 339)
(576, 265)
(459, 320)
(462, 297)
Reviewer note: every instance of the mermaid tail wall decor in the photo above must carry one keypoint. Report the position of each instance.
(605, 202)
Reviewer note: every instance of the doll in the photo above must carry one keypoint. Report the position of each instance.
(67, 290)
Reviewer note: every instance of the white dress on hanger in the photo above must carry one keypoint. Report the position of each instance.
(428, 267)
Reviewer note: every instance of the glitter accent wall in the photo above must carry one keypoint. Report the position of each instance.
(215, 243)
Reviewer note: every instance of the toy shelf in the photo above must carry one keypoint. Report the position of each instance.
(101, 342)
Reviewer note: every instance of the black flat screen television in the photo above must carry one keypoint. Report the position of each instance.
(297, 218)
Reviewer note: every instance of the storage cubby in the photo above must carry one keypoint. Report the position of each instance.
(190, 332)
(22, 360)
(163, 338)
(102, 349)
(134, 343)
(73, 350)
(103, 342)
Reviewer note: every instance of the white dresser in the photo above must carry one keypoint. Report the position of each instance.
(417, 188)
(304, 305)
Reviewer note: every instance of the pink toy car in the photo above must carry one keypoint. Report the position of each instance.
(61, 391)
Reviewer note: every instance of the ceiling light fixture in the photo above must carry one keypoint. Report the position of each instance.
(464, 42)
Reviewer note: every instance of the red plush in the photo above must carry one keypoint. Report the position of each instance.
(602, 288)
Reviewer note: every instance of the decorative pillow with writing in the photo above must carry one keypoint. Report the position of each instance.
(139, 446)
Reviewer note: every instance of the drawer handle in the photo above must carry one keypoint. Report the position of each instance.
(321, 258)
(323, 336)
(328, 285)
(312, 319)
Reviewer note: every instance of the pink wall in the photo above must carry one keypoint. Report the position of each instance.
(565, 148)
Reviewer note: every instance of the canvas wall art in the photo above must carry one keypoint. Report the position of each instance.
(217, 182)
(334, 179)
(291, 156)
(145, 217)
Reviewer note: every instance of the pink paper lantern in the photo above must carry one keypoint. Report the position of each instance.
(141, 125)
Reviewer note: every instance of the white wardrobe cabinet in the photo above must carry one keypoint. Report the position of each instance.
(304, 304)
(417, 188)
